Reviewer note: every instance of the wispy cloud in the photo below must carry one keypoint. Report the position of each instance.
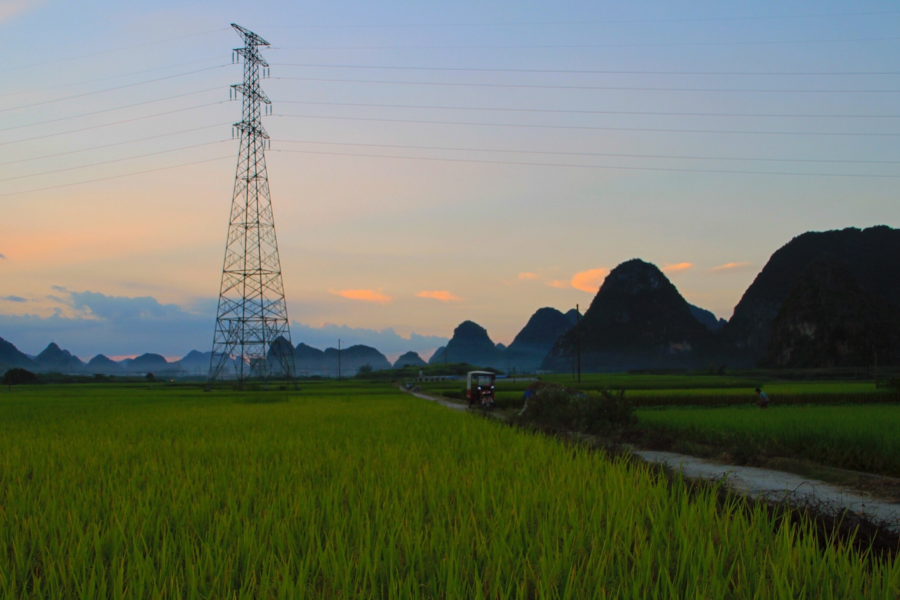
(558, 284)
(683, 266)
(442, 295)
(3, 257)
(590, 280)
(14, 299)
(363, 295)
(528, 276)
(730, 266)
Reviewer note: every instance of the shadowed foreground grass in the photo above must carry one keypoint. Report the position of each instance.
(358, 491)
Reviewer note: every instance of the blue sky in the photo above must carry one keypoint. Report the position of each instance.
(453, 226)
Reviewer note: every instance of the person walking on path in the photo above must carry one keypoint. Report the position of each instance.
(761, 399)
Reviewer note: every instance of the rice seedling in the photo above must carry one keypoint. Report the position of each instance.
(859, 437)
(358, 491)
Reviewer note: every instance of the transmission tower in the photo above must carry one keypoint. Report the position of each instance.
(252, 327)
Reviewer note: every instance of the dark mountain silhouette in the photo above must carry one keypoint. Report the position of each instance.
(101, 365)
(572, 316)
(708, 319)
(312, 361)
(470, 344)
(353, 358)
(637, 320)
(411, 359)
(531, 345)
(872, 255)
(11, 357)
(440, 356)
(56, 360)
(151, 363)
(829, 320)
(195, 363)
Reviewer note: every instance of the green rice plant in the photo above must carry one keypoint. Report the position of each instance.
(359, 491)
(859, 437)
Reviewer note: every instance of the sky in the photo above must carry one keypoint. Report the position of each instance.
(430, 162)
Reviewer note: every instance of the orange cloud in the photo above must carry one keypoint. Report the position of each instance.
(442, 295)
(729, 266)
(678, 267)
(590, 280)
(527, 275)
(364, 295)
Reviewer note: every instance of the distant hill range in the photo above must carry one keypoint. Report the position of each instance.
(824, 299)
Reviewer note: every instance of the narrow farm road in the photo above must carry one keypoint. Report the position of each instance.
(764, 484)
(778, 485)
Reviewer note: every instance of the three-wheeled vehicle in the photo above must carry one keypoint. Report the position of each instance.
(480, 389)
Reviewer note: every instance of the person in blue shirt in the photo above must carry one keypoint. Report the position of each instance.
(761, 399)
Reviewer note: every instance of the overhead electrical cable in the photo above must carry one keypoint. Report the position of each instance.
(589, 46)
(596, 112)
(121, 87)
(106, 110)
(580, 71)
(126, 142)
(603, 154)
(596, 128)
(115, 50)
(86, 82)
(597, 22)
(65, 185)
(581, 166)
(595, 87)
(92, 127)
(109, 162)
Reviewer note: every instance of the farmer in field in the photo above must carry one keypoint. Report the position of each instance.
(761, 399)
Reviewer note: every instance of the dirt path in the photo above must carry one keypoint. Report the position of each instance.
(764, 484)
(778, 485)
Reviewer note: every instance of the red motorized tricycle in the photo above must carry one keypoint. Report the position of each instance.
(480, 389)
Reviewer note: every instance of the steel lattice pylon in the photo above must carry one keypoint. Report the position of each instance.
(252, 327)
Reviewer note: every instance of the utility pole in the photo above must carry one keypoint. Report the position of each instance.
(578, 339)
(252, 324)
(339, 359)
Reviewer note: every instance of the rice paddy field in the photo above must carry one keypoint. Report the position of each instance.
(358, 491)
(648, 390)
(859, 437)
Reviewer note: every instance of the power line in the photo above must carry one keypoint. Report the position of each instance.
(106, 110)
(152, 137)
(595, 128)
(579, 71)
(594, 112)
(153, 116)
(65, 85)
(603, 154)
(592, 87)
(65, 185)
(113, 50)
(605, 167)
(109, 162)
(590, 46)
(121, 87)
(594, 22)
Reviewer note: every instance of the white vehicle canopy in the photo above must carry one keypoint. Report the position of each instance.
(479, 379)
